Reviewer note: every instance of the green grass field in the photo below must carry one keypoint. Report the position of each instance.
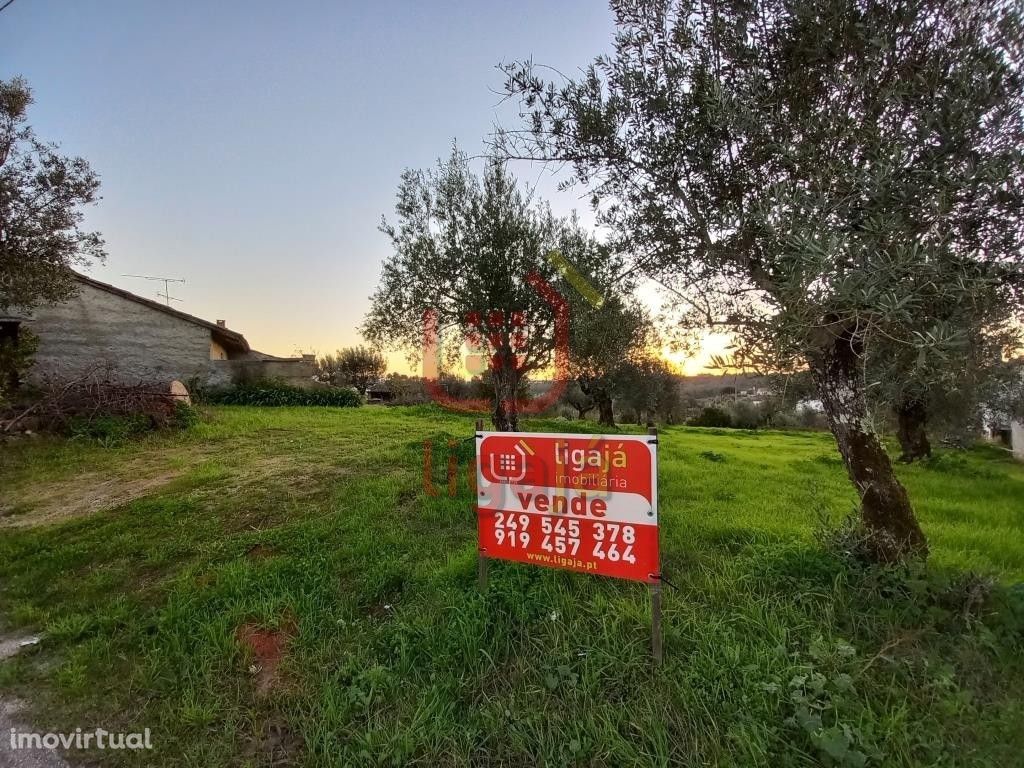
(275, 587)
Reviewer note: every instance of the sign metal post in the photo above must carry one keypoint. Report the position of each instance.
(656, 650)
(481, 557)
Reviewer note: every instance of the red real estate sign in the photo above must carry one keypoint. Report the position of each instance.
(584, 503)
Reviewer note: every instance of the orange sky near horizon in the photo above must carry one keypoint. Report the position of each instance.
(688, 363)
(711, 344)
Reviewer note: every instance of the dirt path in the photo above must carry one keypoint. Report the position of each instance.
(81, 496)
(85, 493)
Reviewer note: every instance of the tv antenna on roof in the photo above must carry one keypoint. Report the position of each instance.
(166, 295)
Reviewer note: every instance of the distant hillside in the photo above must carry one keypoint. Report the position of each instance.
(702, 385)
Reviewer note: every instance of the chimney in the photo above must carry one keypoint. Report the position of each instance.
(222, 323)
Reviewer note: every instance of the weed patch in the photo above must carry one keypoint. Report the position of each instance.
(717, 458)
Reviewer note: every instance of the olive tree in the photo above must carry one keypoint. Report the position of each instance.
(42, 194)
(574, 397)
(947, 387)
(650, 389)
(602, 341)
(471, 258)
(794, 170)
(357, 367)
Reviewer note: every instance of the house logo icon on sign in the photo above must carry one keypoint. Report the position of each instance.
(510, 467)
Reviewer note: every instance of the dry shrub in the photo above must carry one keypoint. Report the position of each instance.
(71, 405)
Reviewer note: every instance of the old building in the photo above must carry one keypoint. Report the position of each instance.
(381, 392)
(143, 341)
(1001, 426)
(1015, 426)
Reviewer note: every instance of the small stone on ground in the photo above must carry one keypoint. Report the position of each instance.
(10, 646)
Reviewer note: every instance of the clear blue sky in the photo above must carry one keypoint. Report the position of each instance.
(251, 148)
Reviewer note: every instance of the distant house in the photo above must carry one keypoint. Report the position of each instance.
(810, 404)
(1002, 427)
(381, 392)
(138, 340)
(1007, 432)
(1017, 425)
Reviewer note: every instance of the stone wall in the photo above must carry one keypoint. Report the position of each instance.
(1017, 439)
(139, 343)
(297, 371)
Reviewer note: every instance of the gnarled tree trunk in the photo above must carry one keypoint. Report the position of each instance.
(605, 411)
(506, 408)
(912, 429)
(888, 518)
(600, 398)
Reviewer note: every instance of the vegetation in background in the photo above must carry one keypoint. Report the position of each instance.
(947, 390)
(482, 388)
(407, 390)
(278, 393)
(712, 417)
(277, 586)
(42, 194)
(579, 401)
(650, 390)
(17, 354)
(1007, 398)
(810, 176)
(357, 367)
(606, 344)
